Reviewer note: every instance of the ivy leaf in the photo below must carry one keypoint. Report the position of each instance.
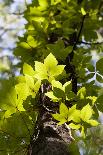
(86, 113)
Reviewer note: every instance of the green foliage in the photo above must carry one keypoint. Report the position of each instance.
(49, 70)
(54, 55)
(80, 117)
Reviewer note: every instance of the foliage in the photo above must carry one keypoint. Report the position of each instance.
(55, 53)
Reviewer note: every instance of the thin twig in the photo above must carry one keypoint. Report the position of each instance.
(79, 33)
(90, 43)
(70, 68)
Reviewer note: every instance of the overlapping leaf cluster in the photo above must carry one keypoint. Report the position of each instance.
(51, 36)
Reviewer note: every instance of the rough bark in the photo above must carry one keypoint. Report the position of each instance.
(50, 139)
(49, 142)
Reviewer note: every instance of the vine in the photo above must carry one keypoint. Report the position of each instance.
(53, 88)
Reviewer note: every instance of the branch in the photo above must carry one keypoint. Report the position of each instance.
(17, 13)
(79, 33)
(90, 43)
(6, 48)
(70, 68)
(5, 30)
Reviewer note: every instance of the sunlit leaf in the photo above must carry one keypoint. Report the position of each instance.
(74, 126)
(27, 69)
(86, 112)
(59, 118)
(74, 114)
(83, 11)
(82, 92)
(93, 122)
(63, 110)
(32, 42)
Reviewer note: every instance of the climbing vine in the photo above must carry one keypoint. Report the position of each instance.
(56, 65)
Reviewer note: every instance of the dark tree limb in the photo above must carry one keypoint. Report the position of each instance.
(70, 68)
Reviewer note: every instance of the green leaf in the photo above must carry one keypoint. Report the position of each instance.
(51, 96)
(100, 103)
(51, 66)
(73, 148)
(83, 11)
(58, 49)
(58, 93)
(49, 70)
(71, 95)
(74, 126)
(59, 118)
(92, 98)
(62, 117)
(63, 110)
(86, 113)
(57, 84)
(22, 95)
(16, 125)
(43, 3)
(67, 87)
(40, 67)
(99, 78)
(50, 61)
(25, 45)
(41, 72)
(83, 132)
(31, 41)
(33, 85)
(74, 114)
(93, 122)
(98, 66)
(14, 99)
(81, 93)
(27, 69)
